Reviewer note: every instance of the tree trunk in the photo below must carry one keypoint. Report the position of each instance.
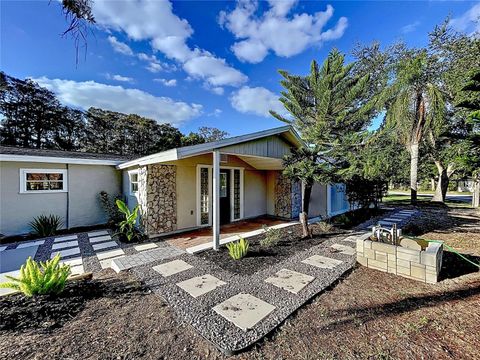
(303, 217)
(413, 172)
(444, 175)
(476, 193)
(432, 182)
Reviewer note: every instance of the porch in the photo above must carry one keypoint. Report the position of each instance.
(201, 239)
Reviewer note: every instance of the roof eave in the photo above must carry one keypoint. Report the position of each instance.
(57, 160)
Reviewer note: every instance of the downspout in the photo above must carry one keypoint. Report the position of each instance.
(67, 220)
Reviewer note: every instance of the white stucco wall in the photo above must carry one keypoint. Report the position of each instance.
(255, 192)
(17, 210)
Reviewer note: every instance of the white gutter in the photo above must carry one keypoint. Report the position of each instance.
(57, 160)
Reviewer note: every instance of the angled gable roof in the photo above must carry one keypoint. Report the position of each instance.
(288, 134)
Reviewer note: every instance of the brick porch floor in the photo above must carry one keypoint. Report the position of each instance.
(202, 236)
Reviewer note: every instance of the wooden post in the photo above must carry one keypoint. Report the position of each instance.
(216, 200)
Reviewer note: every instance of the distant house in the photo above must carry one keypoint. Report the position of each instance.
(177, 190)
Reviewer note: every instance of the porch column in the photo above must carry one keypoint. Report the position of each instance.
(216, 200)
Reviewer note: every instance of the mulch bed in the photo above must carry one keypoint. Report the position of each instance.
(260, 258)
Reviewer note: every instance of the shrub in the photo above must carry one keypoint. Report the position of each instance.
(46, 225)
(238, 249)
(108, 204)
(272, 237)
(40, 278)
(127, 227)
(325, 226)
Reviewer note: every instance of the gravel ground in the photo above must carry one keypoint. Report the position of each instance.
(223, 334)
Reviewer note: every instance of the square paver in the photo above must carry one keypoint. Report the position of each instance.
(290, 280)
(100, 239)
(172, 267)
(143, 247)
(244, 310)
(31, 243)
(97, 233)
(105, 245)
(322, 262)
(107, 263)
(65, 244)
(66, 253)
(65, 238)
(200, 285)
(110, 254)
(347, 250)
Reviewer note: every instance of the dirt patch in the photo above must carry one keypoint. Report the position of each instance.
(259, 258)
(121, 319)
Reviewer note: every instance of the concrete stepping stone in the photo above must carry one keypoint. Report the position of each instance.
(97, 233)
(172, 267)
(66, 253)
(322, 262)
(200, 285)
(64, 245)
(30, 243)
(65, 238)
(100, 239)
(244, 310)
(143, 247)
(2, 248)
(347, 250)
(108, 263)
(110, 254)
(351, 238)
(105, 245)
(3, 278)
(13, 259)
(289, 280)
(393, 219)
(77, 270)
(162, 252)
(73, 262)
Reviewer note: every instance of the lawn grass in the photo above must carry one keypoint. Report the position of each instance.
(402, 200)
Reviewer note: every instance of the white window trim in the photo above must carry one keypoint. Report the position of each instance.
(130, 173)
(210, 193)
(23, 180)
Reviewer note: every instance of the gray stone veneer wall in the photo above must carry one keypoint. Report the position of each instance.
(287, 197)
(157, 198)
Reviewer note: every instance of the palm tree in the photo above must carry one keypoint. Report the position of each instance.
(330, 108)
(416, 107)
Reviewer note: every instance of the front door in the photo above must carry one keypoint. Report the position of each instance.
(224, 196)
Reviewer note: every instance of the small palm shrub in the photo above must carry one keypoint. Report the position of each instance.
(272, 237)
(46, 225)
(238, 249)
(126, 227)
(325, 226)
(40, 278)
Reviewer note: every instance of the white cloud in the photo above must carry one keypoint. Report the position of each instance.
(117, 77)
(468, 22)
(276, 31)
(119, 46)
(116, 98)
(154, 67)
(166, 82)
(257, 100)
(410, 27)
(155, 21)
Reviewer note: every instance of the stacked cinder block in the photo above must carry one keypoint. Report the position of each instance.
(422, 265)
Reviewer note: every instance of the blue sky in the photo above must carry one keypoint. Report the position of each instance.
(199, 63)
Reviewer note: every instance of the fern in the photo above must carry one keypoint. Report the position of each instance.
(40, 278)
(238, 249)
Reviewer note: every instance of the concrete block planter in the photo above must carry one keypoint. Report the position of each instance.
(422, 265)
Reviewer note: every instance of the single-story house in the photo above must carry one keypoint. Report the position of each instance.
(177, 190)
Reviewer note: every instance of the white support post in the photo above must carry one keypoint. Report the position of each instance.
(216, 200)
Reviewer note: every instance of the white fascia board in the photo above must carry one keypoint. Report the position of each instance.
(169, 155)
(57, 160)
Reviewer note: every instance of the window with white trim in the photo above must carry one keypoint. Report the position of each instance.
(43, 180)
(133, 175)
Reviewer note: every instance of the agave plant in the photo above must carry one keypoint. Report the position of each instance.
(40, 278)
(46, 225)
(238, 249)
(127, 227)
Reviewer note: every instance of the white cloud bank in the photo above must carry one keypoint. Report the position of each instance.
(256, 100)
(276, 31)
(166, 82)
(117, 98)
(154, 21)
(469, 22)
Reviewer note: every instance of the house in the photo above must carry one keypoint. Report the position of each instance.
(177, 190)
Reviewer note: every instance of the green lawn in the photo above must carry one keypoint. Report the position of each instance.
(422, 200)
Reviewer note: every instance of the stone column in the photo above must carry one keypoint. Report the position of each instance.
(288, 197)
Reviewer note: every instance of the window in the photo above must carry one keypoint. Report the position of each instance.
(223, 185)
(43, 180)
(133, 182)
